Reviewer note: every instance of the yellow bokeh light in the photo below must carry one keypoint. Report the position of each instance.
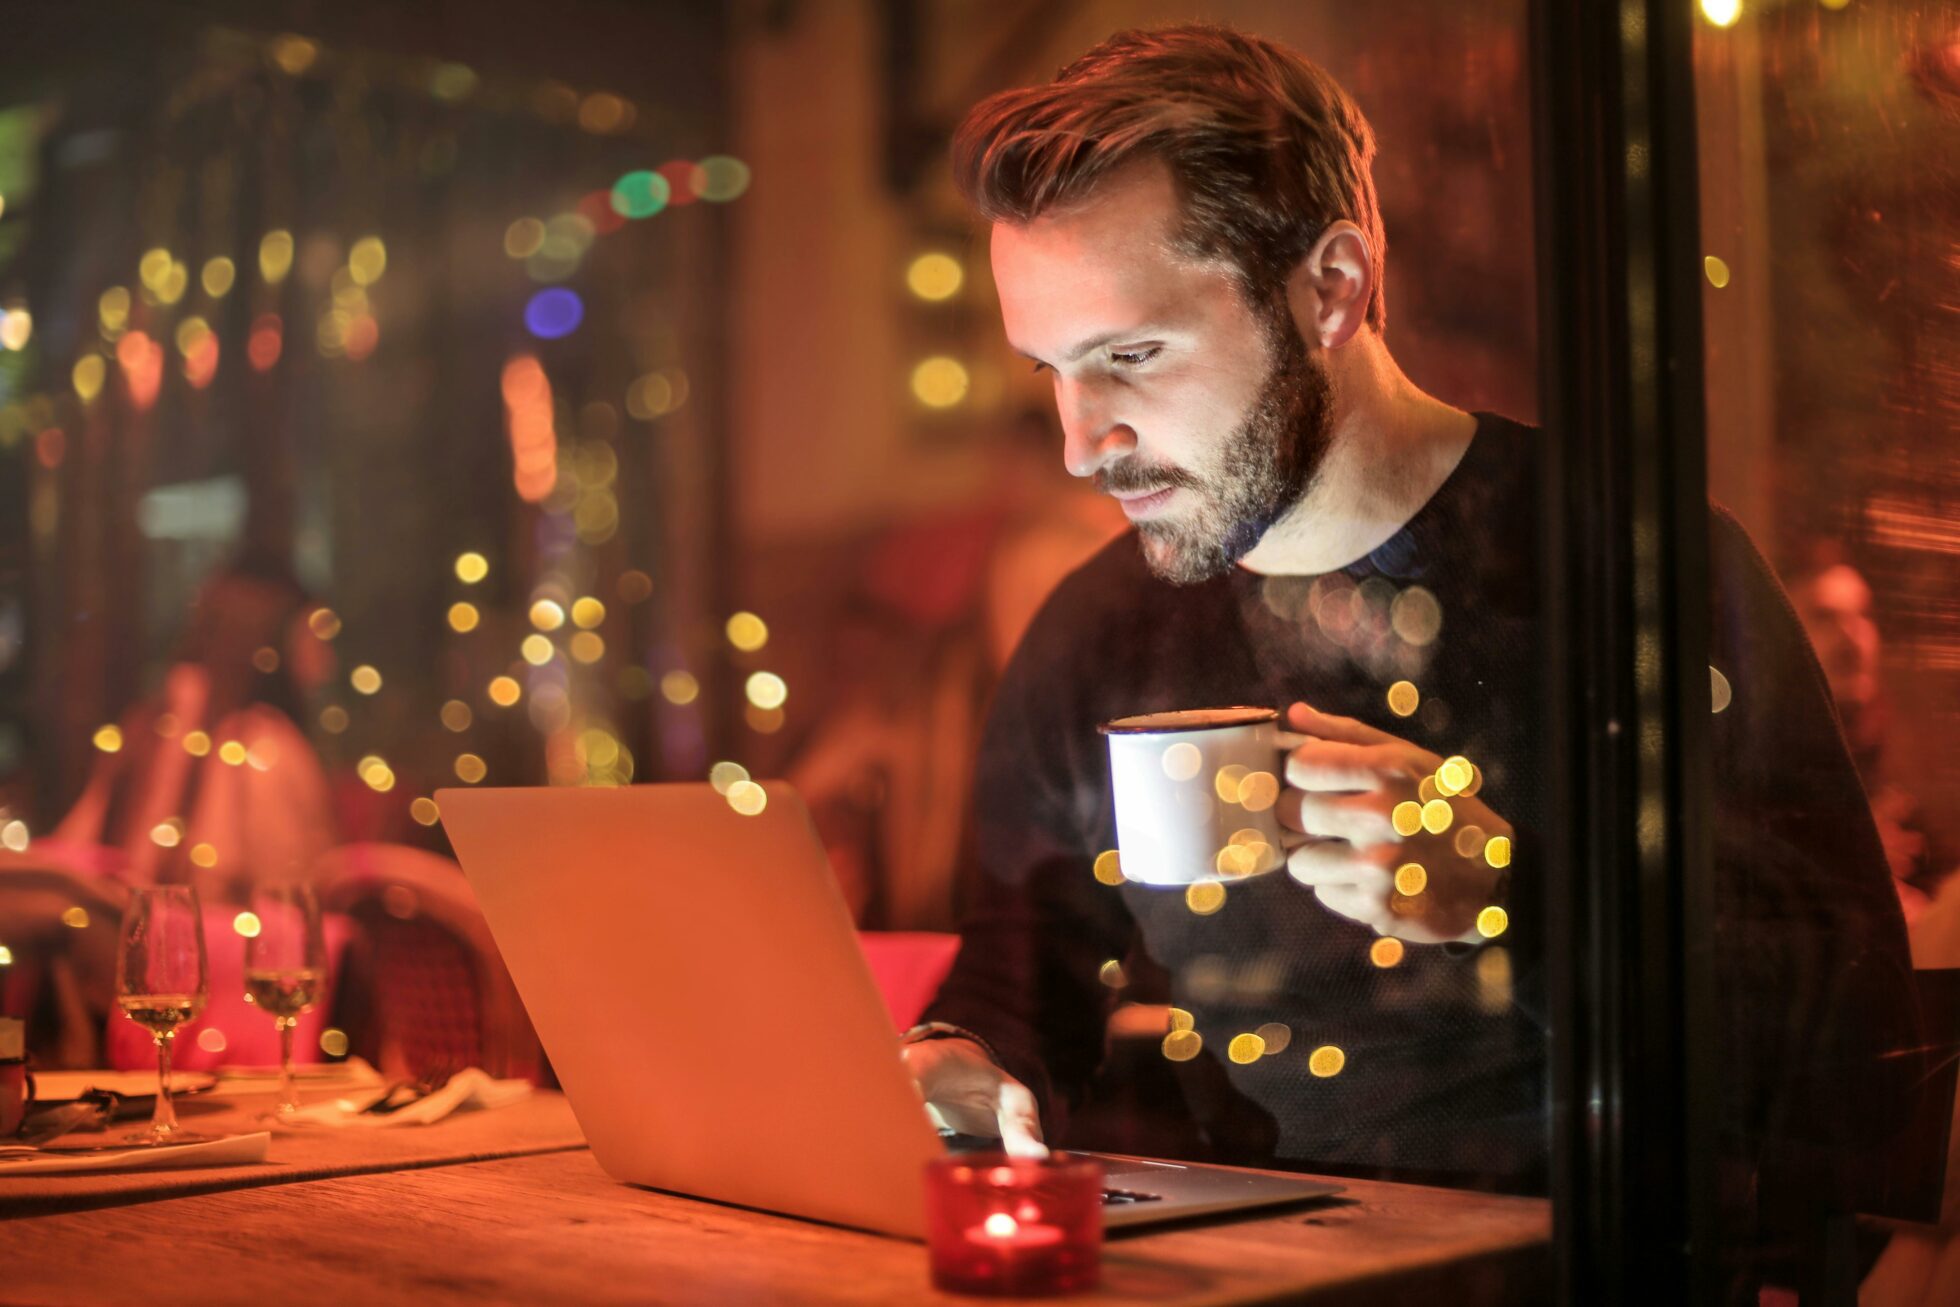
(6, 956)
(1109, 867)
(174, 283)
(1411, 879)
(89, 374)
(1437, 816)
(365, 679)
(191, 333)
(934, 276)
(324, 624)
(1182, 761)
(1181, 1020)
(232, 753)
(1259, 791)
(767, 690)
(275, 256)
(14, 836)
(747, 798)
(588, 647)
(588, 613)
(747, 632)
(1498, 852)
(1385, 952)
(470, 768)
(463, 617)
(197, 744)
(1720, 693)
(75, 917)
(1204, 898)
(678, 687)
(1406, 818)
(1469, 841)
(218, 276)
(1722, 13)
(334, 1043)
(16, 327)
(333, 719)
(293, 54)
(1226, 783)
(725, 775)
(536, 650)
(1326, 1061)
(113, 308)
(1245, 1048)
(108, 738)
(166, 834)
(1427, 789)
(1183, 1045)
(1404, 698)
(247, 924)
(1453, 777)
(425, 812)
(471, 567)
(154, 267)
(380, 778)
(547, 615)
(523, 238)
(456, 715)
(1716, 270)
(1492, 922)
(367, 260)
(505, 691)
(940, 382)
(265, 659)
(1111, 974)
(204, 855)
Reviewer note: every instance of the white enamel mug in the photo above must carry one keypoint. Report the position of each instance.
(1194, 793)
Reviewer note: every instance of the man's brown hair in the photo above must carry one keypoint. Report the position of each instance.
(1266, 150)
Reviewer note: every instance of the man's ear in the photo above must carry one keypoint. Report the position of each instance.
(1332, 284)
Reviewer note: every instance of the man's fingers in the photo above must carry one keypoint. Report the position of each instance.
(1356, 818)
(1327, 862)
(1309, 720)
(1020, 1122)
(1329, 765)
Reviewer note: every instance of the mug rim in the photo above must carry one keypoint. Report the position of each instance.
(1150, 723)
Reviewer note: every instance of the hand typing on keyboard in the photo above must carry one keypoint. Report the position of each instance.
(974, 1096)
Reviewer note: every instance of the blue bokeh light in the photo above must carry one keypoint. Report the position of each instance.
(554, 312)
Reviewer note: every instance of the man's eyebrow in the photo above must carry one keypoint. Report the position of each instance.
(1094, 342)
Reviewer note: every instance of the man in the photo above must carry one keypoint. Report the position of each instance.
(1186, 240)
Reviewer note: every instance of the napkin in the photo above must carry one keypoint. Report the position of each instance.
(468, 1089)
(230, 1150)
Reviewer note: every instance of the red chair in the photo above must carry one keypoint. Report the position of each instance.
(438, 994)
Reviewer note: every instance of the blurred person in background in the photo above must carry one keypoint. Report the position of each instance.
(1835, 602)
(213, 783)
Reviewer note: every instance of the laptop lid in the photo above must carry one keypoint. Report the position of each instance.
(695, 977)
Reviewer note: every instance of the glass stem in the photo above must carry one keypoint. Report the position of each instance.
(164, 1121)
(288, 1096)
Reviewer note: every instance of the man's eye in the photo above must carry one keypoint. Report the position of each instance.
(1134, 358)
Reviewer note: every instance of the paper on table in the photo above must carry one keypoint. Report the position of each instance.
(472, 1088)
(232, 1150)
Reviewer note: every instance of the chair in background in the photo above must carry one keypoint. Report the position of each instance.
(433, 992)
(58, 929)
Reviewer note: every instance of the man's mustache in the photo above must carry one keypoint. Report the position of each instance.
(1137, 479)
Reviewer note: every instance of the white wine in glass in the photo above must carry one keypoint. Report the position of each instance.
(285, 970)
(161, 983)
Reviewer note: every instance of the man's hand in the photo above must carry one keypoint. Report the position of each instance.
(974, 1096)
(1344, 782)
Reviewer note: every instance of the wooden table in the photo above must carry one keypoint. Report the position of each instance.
(551, 1227)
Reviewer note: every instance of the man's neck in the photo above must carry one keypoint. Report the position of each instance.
(1390, 449)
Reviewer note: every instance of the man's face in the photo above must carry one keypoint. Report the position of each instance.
(1836, 607)
(1205, 418)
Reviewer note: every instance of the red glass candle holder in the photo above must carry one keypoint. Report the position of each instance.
(1014, 1226)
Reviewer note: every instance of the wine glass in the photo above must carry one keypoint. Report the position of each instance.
(161, 983)
(285, 969)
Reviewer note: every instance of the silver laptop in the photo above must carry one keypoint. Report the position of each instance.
(696, 979)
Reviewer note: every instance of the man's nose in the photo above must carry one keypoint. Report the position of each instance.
(1091, 438)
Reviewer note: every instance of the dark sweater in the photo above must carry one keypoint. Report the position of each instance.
(1445, 1051)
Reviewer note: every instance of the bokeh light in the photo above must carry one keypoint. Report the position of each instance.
(587, 647)
(463, 617)
(470, 769)
(1326, 1061)
(554, 313)
(1246, 1048)
(471, 567)
(747, 632)
(456, 715)
(588, 612)
(747, 798)
(640, 194)
(940, 382)
(275, 256)
(1385, 952)
(934, 276)
(293, 54)
(504, 691)
(536, 650)
(89, 373)
(16, 327)
(113, 309)
(679, 687)
(367, 260)
(1716, 270)
(425, 812)
(767, 690)
(365, 679)
(721, 178)
(324, 623)
(1722, 13)
(1492, 922)
(547, 615)
(247, 925)
(109, 739)
(523, 238)
(218, 276)
(724, 775)
(1109, 867)
(1404, 698)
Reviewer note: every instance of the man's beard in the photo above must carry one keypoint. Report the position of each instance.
(1264, 468)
